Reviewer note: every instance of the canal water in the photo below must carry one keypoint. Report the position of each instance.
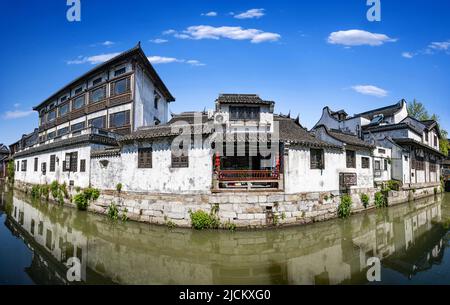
(36, 240)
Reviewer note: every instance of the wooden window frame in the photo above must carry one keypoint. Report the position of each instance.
(377, 167)
(82, 165)
(180, 161)
(365, 162)
(127, 86)
(52, 166)
(145, 157)
(23, 166)
(91, 101)
(127, 119)
(350, 158)
(317, 164)
(237, 111)
(100, 117)
(77, 98)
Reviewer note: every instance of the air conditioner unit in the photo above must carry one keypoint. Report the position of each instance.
(220, 118)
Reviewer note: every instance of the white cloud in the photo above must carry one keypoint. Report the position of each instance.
(253, 13)
(93, 60)
(17, 114)
(370, 90)
(210, 14)
(159, 40)
(194, 62)
(408, 55)
(199, 32)
(358, 38)
(162, 60)
(169, 32)
(167, 60)
(440, 46)
(108, 43)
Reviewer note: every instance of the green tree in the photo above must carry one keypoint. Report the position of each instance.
(417, 110)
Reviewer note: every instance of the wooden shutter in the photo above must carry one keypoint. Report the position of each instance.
(145, 157)
(74, 161)
(82, 165)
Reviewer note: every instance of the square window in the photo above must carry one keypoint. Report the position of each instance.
(120, 71)
(96, 81)
(317, 159)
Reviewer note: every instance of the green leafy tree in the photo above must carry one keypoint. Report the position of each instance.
(418, 111)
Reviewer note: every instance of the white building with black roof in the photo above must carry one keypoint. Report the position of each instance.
(113, 99)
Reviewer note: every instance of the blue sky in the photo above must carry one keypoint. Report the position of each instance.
(302, 54)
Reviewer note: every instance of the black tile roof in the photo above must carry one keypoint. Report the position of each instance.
(292, 132)
(169, 129)
(242, 99)
(4, 149)
(107, 152)
(413, 142)
(137, 50)
(83, 139)
(386, 111)
(289, 130)
(378, 128)
(348, 139)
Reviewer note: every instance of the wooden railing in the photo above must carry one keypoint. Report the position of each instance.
(248, 175)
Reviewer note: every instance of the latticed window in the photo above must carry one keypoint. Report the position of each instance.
(244, 113)
(71, 162)
(433, 167)
(24, 166)
(418, 164)
(145, 157)
(120, 86)
(97, 94)
(365, 162)
(119, 119)
(52, 163)
(82, 166)
(317, 159)
(351, 159)
(180, 159)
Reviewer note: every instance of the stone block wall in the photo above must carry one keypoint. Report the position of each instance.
(249, 210)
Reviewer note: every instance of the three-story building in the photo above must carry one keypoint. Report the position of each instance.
(91, 112)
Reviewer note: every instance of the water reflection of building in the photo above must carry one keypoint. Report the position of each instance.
(54, 240)
(408, 239)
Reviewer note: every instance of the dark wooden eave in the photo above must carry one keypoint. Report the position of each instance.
(66, 143)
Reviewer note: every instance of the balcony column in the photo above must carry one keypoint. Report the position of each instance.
(216, 171)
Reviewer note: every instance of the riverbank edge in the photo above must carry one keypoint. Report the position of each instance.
(255, 210)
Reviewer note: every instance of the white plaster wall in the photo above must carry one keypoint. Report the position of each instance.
(380, 156)
(144, 110)
(401, 115)
(299, 177)
(415, 136)
(161, 178)
(79, 179)
(328, 120)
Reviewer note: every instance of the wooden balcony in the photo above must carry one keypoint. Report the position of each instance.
(248, 175)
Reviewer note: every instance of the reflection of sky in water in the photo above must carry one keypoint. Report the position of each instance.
(409, 238)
